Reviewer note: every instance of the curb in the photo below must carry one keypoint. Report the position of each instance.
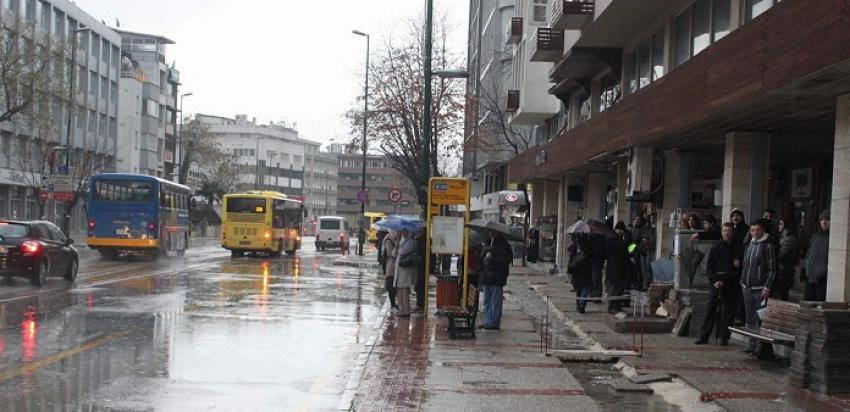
(346, 402)
(361, 265)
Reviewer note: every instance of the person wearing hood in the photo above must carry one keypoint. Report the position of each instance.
(617, 267)
(815, 266)
(758, 275)
(787, 259)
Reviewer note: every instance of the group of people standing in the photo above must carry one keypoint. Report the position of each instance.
(401, 257)
(757, 262)
(624, 254)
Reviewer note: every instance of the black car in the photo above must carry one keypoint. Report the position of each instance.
(36, 250)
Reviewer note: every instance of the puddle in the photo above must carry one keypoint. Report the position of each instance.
(596, 378)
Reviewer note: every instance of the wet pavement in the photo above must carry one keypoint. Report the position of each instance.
(203, 332)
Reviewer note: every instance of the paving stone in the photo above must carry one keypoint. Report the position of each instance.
(628, 387)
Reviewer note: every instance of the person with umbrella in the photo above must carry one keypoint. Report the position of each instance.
(595, 232)
(407, 267)
(389, 248)
(618, 266)
(496, 258)
(580, 270)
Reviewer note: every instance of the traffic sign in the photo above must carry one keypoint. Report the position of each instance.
(394, 194)
(58, 183)
(446, 191)
(363, 196)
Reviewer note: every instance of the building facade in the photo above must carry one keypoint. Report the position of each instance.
(321, 176)
(380, 178)
(148, 93)
(272, 156)
(89, 123)
(490, 136)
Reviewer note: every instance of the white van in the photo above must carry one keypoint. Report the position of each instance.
(331, 232)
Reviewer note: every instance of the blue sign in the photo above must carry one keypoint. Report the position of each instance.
(442, 187)
(63, 170)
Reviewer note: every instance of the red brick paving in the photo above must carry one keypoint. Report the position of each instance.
(710, 396)
(508, 391)
(694, 368)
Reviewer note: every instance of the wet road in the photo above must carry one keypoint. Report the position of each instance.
(203, 332)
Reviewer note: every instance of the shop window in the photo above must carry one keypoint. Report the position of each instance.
(682, 40)
(755, 8)
(701, 28)
(721, 20)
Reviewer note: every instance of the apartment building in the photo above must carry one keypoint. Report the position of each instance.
(93, 114)
(696, 106)
(148, 118)
(321, 175)
(380, 178)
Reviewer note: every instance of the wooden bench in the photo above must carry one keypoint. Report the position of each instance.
(462, 319)
(779, 325)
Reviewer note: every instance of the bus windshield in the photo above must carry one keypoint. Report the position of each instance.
(246, 205)
(123, 190)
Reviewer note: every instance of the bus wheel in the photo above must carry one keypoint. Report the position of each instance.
(290, 252)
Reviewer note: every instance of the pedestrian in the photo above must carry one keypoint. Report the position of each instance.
(493, 276)
(723, 269)
(379, 244)
(580, 270)
(389, 250)
(710, 230)
(787, 259)
(617, 266)
(640, 233)
(597, 264)
(769, 217)
(408, 262)
(757, 276)
(817, 257)
(533, 245)
(742, 231)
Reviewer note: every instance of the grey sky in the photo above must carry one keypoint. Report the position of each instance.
(273, 59)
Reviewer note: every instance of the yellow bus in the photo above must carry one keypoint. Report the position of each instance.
(261, 222)
(374, 217)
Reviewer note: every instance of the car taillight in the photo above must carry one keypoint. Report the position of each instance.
(30, 247)
(341, 235)
(92, 224)
(151, 227)
(268, 234)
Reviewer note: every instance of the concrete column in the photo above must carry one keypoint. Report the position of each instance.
(538, 190)
(745, 173)
(550, 201)
(595, 195)
(676, 187)
(623, 208)
(568, 212)
(838, 278)
(560, 240)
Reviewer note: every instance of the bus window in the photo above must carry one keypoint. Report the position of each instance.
(246, 205)
(293, 218)
(122, 190)
(279, 214)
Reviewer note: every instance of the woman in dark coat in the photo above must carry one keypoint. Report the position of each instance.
(618, 265)
(787, 260)
(580, 269)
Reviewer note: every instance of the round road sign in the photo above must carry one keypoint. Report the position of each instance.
(394, 194)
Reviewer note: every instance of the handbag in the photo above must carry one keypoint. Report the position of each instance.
(412, 259)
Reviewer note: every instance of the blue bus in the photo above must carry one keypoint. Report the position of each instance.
(132, 213)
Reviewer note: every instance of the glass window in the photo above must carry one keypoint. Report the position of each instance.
(539, 11)
(683, 38)
(46, 10)
(15, 6)
(95, 45)
(113, 91)
(123, 190)
(59, 26)
(246, 205)
(658, 55)
(92, 121)
(644, 64)
(56, 233)
(329, 224)
(81, 117)
(104, 88)
(721, 21)
(30, 11)
(152, 108)
(756, 7)
(14, 230)
(93, 83)
(701, 29)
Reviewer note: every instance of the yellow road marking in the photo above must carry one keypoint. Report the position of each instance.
(31, 367)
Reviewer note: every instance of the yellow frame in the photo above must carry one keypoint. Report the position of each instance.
(428, 213)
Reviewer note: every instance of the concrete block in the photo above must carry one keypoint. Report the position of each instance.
(650, 378)
(626, 387)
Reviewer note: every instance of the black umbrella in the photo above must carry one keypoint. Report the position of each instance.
(484, 225)
(589, 227)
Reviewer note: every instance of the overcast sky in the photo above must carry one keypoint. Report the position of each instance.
(292, 60)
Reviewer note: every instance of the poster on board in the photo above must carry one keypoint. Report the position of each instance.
(447, 235)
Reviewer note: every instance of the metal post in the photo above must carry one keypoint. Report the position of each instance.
(426, 115)
(66, 220)
(361, 233)
(179, 158)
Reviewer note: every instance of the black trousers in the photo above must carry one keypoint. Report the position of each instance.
(719, 313)
(815, 292)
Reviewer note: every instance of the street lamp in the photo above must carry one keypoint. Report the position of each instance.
(426, 115)
(180, 140)
(66, 223)
(361, 234)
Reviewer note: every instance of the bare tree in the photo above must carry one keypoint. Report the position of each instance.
(396, 99)
(199, 146)
(495, 131)
(220, 176)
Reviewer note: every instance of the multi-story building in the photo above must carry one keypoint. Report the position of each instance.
(380, 178)
(272, 156)
(491, 137)
(320, 182)
(94, 113)
(701, 106)
(148, 93)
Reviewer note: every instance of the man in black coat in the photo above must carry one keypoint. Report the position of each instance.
(493, 276)
(618, 267)
(580, 269)
(723, 267)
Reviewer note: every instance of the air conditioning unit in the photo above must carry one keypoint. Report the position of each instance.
(639, 174)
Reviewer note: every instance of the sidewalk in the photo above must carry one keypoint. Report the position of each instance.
(413, 365)
(722, 375)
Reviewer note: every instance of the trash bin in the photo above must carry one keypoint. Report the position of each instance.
(447, 291)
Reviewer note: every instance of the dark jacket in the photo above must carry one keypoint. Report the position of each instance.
(817, 257)
(788, 256)
(742, 232)
(720, 266)
(495, 263)
(759, 266)
(580, 266)
(617, 255)
(712, 234)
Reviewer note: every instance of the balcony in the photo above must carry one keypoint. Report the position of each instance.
(571, 14)
(547, 45)
(513, 101)
(514, 30)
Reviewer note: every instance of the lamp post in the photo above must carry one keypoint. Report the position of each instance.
(180, 140)
(426, 115)
(66, 221)
(361, 233)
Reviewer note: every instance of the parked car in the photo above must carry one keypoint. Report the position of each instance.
(331, 232)
(36, 250)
